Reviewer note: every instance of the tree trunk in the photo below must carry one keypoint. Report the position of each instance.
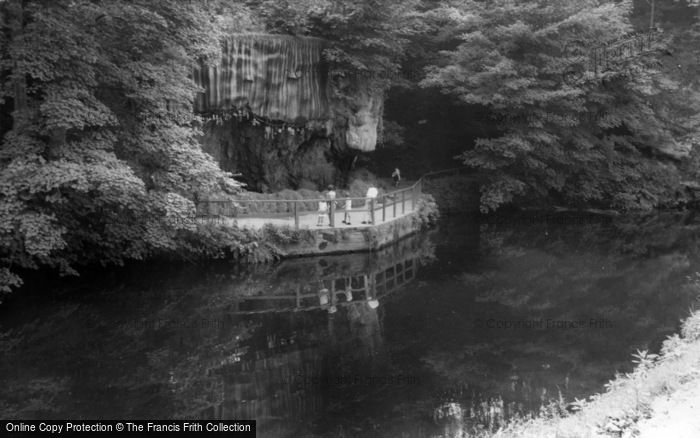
(15, 20)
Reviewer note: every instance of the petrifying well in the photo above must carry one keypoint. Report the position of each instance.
(277, 77)
(295, 114)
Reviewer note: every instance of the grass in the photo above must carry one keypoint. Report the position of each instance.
(617, 412)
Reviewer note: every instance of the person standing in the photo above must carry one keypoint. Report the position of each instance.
(396, 174)
(322, 212)
(331, 200)
(372, 193)
(347, 207)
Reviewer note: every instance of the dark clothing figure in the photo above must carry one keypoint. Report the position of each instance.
(396, 174)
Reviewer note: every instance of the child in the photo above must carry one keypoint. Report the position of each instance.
(347, 207)
(322, 212)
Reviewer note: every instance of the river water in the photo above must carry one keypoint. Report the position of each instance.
(457, 329)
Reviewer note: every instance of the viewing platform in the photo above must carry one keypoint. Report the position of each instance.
(374, 222)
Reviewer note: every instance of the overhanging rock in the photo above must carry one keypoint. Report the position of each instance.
(284, 79)
(274, 76)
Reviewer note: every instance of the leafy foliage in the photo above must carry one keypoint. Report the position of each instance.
(428, 212)
(368, 36)
(611, 141)
(102, 157)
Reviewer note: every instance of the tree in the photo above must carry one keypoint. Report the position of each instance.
(588, 140)
(367, 38)
(101, 162)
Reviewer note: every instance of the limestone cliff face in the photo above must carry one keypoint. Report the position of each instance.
(363, 124)
(274, 115)
(277, 77)
(272, 159)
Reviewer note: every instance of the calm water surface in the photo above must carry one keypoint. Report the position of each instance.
(457, 329)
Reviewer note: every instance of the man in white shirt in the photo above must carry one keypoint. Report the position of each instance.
(372, 193)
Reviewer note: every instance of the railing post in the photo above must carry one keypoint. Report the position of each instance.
(296, 215)
(371, 210)
(419, 192)
(393, 200)
(384, 208)
(332, 212)
(403, 202)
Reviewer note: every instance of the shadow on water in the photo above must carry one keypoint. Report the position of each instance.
(457, 330)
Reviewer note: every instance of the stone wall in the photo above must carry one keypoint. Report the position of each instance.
(346, 240)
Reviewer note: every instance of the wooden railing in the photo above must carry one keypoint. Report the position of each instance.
(335, 292)
(388, 205)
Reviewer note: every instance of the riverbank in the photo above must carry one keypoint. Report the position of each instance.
(659, 398)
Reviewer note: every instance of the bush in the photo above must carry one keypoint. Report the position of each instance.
(428, 212)
(284, 235)
(691, 327)
(362, 179)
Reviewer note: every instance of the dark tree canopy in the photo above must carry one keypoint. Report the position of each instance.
(610, 141)
(101, 159)
(100, 153)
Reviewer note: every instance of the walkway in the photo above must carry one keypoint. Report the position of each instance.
(303, 213)
(309, 220)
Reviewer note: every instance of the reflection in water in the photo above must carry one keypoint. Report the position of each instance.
(369, 284)
(280, 344)
(437, 335)
(320, 338)
(287, 378)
